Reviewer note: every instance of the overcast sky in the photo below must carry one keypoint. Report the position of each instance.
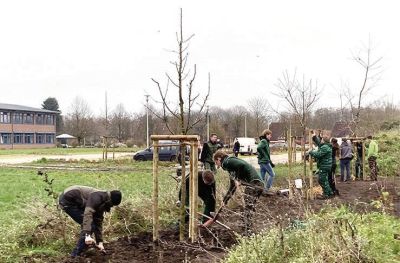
(68, 48)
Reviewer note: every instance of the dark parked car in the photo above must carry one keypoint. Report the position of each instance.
(165, 153)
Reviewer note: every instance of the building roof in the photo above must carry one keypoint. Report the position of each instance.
(13, 107)
(65, 136)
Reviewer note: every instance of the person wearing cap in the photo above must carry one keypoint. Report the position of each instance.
(86, 206)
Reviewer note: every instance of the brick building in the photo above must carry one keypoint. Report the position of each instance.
(26, 127)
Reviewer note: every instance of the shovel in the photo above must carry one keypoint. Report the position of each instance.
(210, 221)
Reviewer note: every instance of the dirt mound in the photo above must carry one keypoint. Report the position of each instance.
(214, 243)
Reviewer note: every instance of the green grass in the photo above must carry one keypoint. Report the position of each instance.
(61, 151)
(22, 201)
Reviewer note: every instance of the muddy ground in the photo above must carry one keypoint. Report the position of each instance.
(215, 242)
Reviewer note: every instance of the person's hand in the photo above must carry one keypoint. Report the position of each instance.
(272, 165)
(89, 240)
(100, 246)
(178, 203)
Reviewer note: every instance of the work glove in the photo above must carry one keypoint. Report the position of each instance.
(100, 246)
(178, 203)
(272, 164)
(89, 240)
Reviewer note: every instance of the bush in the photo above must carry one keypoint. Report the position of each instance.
(129, 143)
(331, 236)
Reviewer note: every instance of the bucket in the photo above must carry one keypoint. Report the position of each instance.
(298, 183)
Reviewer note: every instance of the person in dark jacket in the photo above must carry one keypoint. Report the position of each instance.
(236, 147)
(264, 159)
(86, 206)
(206, 191)
(209, 148)
(324, 164)
(359, 163)
(244, 173)
(346, 154)
(332, 175)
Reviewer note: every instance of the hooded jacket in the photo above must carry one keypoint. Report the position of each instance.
(93, 202)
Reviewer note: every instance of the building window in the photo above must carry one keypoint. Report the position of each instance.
(18, 138)
(5, 138)
(28, 138)
(40, 119)
(28, 118)
(17, 117)
(4, 117)
(50, 138)
(40, 138)
(49, 119)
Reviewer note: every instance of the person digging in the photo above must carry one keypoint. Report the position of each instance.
(206, 191)
(86, 206)
(324, 164)
(241, 171)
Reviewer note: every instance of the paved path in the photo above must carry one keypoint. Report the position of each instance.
(18, 159)
(276, 158)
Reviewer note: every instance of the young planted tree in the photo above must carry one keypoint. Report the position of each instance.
(372, 72)
(301, 97)
(190, 105)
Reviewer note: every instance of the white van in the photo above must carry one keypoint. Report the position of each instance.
(247, 145)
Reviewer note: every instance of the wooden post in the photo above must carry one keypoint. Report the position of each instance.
(106, 148)
(194, 184)
(311, 179)
(155, 192)
(352, 162)
(183, 193)
(113, 150)
(290, 160)
(363, 159)
(294, 149)
(103, 148)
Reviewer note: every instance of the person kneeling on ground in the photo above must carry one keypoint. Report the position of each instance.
(86, 206)
(240, 170)
(206, 191)
(324, 164)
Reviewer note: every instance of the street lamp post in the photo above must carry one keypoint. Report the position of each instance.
(147, 120)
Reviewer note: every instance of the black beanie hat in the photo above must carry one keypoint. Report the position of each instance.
(116, 197)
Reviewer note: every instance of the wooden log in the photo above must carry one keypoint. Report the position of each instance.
(194, 157)
(175, 137)
(183, 194)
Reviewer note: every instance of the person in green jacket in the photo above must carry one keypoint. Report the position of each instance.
(244, 173)
(372, 156)
(209, 148)
(324, 164)
(264, 159)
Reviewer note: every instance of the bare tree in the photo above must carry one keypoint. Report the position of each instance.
(301, 97)
(120, 123)
(372, 73)
(190, 104)
(259, 109)
(79, 118)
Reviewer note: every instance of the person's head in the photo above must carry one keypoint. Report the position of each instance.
(267, 134)
(116, 197)
(334, 140)
(219, 156)
(344, 140)
(208, 177)
(213, 137)
(325, 139)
